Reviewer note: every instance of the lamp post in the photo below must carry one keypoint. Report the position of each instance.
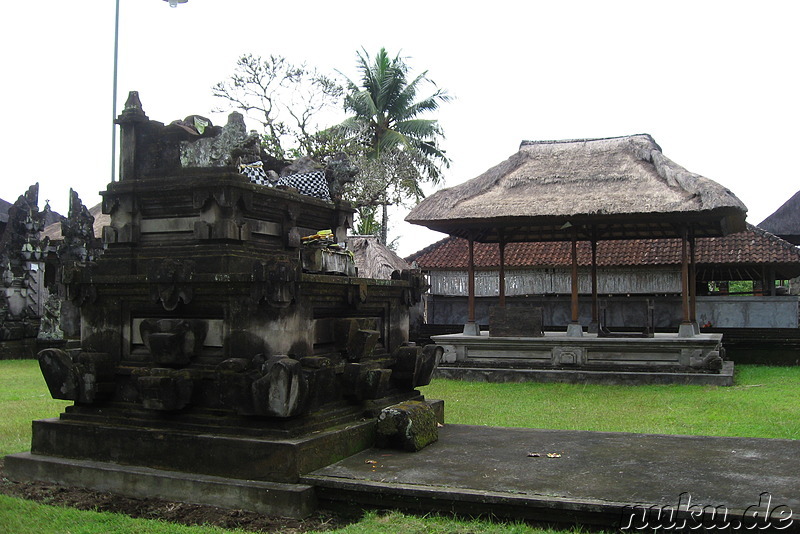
(172, 3)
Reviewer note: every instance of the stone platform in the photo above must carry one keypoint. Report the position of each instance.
(272, 498)
(556, 357)
(598, 478)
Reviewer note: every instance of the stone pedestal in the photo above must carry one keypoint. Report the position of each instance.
(206, 347)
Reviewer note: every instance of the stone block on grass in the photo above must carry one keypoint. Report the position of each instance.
(410, 426)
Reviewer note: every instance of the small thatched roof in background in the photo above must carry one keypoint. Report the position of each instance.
(373, 259)
(785, 222)
(53, 231)
(5, 205)
(623, 186)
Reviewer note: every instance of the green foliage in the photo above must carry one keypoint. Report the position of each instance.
(367, 222)
(288, 101)
(386, 137)
(740, 286)
(400, 149)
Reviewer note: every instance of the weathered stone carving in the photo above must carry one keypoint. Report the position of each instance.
(409, 426)
(84, 378)
(76, 289)
(49, 329)
(274, 387)
(173, 342)
(274, 283)
(170, 282)
(339, 171)
(415, 365)
(21, 260)
(77, 231)
(164, 389)
(417, 284)
(711, 361)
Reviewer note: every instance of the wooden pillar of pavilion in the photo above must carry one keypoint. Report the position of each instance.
(574, 328)
(693, 282)
(594, 325)
(502, 281)
(471, 328)
(686, 329)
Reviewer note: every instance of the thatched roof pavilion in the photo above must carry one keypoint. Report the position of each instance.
(373, 259)
(785, 222)
(623, 186)
(588, 189)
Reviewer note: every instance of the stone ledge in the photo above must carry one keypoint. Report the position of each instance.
(582, 376)
(287, 500)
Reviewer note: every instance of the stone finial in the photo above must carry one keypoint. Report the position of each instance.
(133, 109)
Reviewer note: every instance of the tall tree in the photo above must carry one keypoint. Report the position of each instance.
(400, 149)
(288, 100)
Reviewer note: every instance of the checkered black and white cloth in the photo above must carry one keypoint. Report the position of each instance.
(312, 184)
(255, 173)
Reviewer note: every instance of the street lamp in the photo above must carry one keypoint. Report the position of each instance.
(172, 3)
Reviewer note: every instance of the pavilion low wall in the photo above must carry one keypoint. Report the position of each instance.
(623, 311)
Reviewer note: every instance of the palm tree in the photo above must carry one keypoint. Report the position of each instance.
(401, 150)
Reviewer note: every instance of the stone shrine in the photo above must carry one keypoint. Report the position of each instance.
(214, 367)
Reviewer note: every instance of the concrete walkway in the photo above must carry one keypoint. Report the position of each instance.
(591, 478)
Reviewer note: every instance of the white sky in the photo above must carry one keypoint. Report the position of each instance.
(714, 82)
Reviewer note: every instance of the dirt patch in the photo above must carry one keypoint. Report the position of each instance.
(175, 512)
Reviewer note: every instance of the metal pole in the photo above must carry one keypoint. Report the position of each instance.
(114, 98)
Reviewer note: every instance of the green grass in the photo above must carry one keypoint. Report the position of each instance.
(399, 523)
(761, 404)
(23, 398)
(19, 516)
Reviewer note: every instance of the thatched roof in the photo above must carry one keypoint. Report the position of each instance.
(623, 186)
(53, 231)
(785, 222)
(372, 259)
(51, 216)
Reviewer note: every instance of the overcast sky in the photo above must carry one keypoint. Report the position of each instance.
(714, 82)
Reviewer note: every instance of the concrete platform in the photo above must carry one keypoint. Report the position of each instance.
(600, 479)
(661, 359)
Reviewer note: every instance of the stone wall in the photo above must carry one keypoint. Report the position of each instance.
(722, 311)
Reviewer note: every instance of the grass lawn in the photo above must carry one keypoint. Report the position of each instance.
(763, 403)
(23, 398)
